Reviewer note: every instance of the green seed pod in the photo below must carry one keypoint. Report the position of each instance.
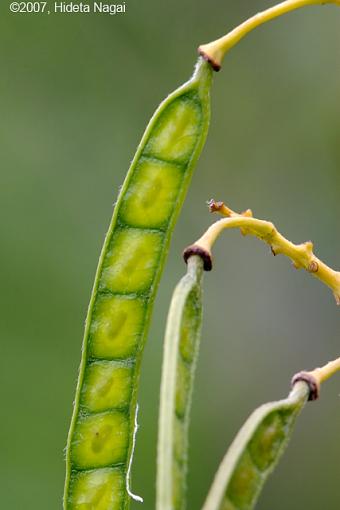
(255, 452)
(101, 438)
(180, 355)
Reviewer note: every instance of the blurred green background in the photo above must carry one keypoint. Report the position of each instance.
(76, 92)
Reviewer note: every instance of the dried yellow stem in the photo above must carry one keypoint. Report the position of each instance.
(215, 51)
(301, 255)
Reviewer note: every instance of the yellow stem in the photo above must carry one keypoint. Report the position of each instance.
(215, 51)
(325, 372)
(302, 254)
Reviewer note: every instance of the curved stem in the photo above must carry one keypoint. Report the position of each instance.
(302, 254)
(215, 51)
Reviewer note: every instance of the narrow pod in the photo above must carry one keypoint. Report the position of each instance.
(101, 436)
(181, 345)
(260, 443)
(255, 452)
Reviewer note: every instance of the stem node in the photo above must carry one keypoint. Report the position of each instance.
(204, 254)
(310, 380)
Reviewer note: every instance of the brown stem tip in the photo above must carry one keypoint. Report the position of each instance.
(214, 206)
(314, 387)
(200, 252)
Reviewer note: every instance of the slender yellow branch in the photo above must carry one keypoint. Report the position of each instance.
(215, 51)
(301, 255)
